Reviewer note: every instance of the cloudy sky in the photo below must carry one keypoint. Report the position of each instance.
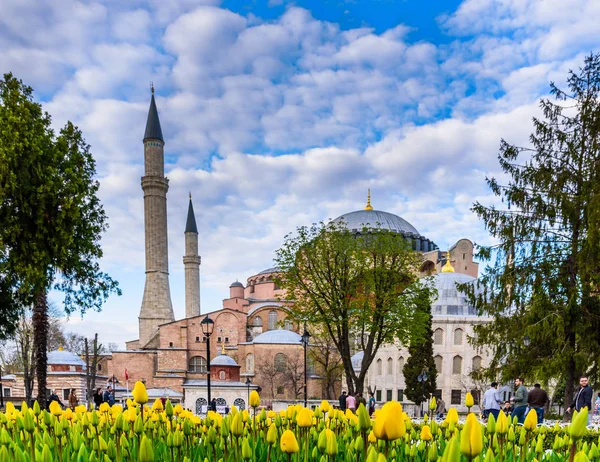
(278, 114)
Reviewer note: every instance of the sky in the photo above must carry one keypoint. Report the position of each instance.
(279, 114)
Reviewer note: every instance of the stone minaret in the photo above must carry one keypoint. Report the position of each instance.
(156, 304)
(191, 261)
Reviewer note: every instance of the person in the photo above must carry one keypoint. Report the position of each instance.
(360, 399)
(491, 402)
(343, 401)
(54, 397)
(109, 396)
(372, 403)
(538, 400)
(98, 398)
(440, 409)
(351, 403)
(213, 405)
(520, 400)
(583, 398)
(73, 402)
(507, 408)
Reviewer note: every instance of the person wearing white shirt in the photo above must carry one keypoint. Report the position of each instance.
(491, 401)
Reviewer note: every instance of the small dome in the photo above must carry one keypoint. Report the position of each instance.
(223, 360)
(236, 284)
(279, 337)
(357, 359)
(356, 221)
(449, 301)
(61, 357)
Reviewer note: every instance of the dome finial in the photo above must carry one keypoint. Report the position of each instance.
(152, 87)
(448, 268)
(368, 206)
(223, 349)
(60, 348)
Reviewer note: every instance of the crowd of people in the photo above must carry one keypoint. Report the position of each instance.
(351, 402)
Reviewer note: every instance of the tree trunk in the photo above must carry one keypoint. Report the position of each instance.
(40, 337)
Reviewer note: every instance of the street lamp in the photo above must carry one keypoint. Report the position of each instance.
(1, 390)
(422, 378)
(248, 383)
(305, 339)
(208, 325)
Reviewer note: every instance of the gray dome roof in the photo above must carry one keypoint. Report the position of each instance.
(449, 301)
(357, 360)
(356, 221)
(236, 284)
(223, 360)
(274, 269)
(279, 337)
(61, 357)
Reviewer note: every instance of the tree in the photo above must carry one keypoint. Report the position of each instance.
(543, 283)
(421, 361)
(292, 375)
(51, 219)
(327, 361)
(91, 367)
(352, 285)
(268, 376)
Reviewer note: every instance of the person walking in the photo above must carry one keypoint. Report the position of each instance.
(342, 400)
(440, 409)
(109, 396)
(538, 399)
(583, 398)
(360, 399)
(351, 403)
(54, 397)
(520, 400)
(98, 398)
(372, 404)
(73, 401)
(491, 402)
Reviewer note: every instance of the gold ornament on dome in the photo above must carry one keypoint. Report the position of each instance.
(368, 206)
(448, 268)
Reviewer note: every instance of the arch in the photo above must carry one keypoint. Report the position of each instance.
(222, 375)
(240, 404)
(250, 363)
(199, 403)
(379, 367)
(390, 366)
(457, 364)
(476, 363)
(458, 336)
(428, 267)
(257, 322)
(438, 336)
(401, 366)
(197, 364)
(272, 319)
(280, 361)
(438, 363)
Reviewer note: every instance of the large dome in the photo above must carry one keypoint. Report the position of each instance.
(279, 337)
(356, 221)
(449, 301)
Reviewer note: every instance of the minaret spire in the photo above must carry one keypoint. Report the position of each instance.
(448, 268)
(191, 262)
(368, 206)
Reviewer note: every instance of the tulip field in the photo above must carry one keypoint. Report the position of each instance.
(144, 433)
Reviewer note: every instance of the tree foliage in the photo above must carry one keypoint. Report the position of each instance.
(544, 278)
(360, 289)
(51, 219)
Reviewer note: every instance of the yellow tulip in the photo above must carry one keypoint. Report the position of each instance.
(579, 424)
(389, 425)
(372, 438)
(469, 401)
(531, 420)
(452, 416)
(237, 425)
(272, 434)
(55, 408)
(178, 409)
(331, 447)
(502, 423)
(426, 433)
(254, 399)
(157, 405)
(471, 438)
(104, 407)
(304, 417)
(432, 404)
(146, 452)
(288, 443)
(140, 395)
(324, 406)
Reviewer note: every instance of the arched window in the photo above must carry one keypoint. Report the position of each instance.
(438, 364)
(250, 363)
(438, 337)
(379, 367)
(197, 364)
(222, 375)
(457, 365)
(272, 319)
(201, 406)
(390, 367)
(476, 363)
(280, 362)
(400, 366)
(240, 404)
(258, 321)
(458, 337)
(288, 325)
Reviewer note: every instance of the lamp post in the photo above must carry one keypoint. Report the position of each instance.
(1, 390)
(208, 326)
(248, 383)
(305, 339)
(422, 378)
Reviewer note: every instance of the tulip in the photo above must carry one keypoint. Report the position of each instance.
(469, 401)
(254, 399)
(531, 420)
(426, 433)
(288, 443)
(304, 418)
(237, 425)
(452, 451)
(581, 457)
(246, 450)
(491, 424)
(502, 423)
(433, 453)
(157, 405)
(140, 395)
(432, 404)
(389, 425)
(324, 407)
(331, 448)
(272, 434)
(55, 409)
(579, 424)
(146, 453)
(471, 439)
(451, 417)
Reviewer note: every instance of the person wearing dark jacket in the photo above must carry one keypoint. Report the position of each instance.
(583, 398)
(343, 401)
(538, 399)
(54, 397)
(98, 398)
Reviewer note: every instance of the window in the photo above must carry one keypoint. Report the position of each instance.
(400, 395)
(226, 339)
(201, 406)
(7, 392)
(476, 363)
(401, 366)
(170, 344)
(258, 321)
(438, 363)
(378, 395)
(240, 404)
(288, 325)
(280, 390)
(197, 339)
(455, 397)
(197, 364)
(221, 375)
(250, 363)
(457, 365)
(438, 337)
(272, 319)
(66, 393)
(476, 396)
(379, 367)
(99, 366)
(458, 336)
(219, 339)
(390, 366)
(252, 289)
(310, 367)
(437, 394)
(280, 362)
(388, 395)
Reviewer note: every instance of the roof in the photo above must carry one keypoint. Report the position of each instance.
(153, 130)
(357, 359)
(190, 223)
(224, 360)
(356, 221)
(278, 337)
(274, 269)
(217, 384)
(61, 357)
(449, 301)
(236, 284)
(258, 306)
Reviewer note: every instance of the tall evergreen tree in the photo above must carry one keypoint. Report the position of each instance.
(51, 219)
(542, 286)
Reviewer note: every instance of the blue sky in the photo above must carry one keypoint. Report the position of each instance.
(278, 114)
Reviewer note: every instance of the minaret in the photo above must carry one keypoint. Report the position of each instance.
(191, 261)
(156, 304)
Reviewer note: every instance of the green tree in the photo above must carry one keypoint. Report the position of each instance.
(421, 361)
(542, 285)
(359, 289)
(51, 219)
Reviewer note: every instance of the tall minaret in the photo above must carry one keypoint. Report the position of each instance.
(191, 261)
(156, 304)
